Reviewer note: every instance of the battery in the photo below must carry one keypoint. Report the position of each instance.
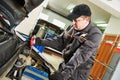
(32, 73)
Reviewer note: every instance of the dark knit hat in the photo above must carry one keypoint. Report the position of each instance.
(79, 10)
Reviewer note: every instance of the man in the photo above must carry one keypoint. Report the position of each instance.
(78, 45)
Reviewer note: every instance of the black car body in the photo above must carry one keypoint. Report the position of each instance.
(12, 12)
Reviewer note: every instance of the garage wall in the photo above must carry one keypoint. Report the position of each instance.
(113, 26)
(116, 73)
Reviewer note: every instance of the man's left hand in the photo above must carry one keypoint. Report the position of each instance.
(56, 76)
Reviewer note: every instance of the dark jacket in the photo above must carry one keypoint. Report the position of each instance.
(78, 55)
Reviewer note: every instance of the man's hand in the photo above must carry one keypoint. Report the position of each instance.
(32, 40)
(56, 76)
(81, 38)
(35, 41)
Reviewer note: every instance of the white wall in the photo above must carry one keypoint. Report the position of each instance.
(111, 6)
(113, 26)
(116, 74)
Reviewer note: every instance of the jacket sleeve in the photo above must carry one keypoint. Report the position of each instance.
(56, 42)
(82, 54)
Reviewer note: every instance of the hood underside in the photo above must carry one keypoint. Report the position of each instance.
(14, 11)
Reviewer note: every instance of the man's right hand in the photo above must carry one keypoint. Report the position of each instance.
(32, 40)
(35, 41)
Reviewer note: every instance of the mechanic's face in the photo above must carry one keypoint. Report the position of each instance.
(81, 22)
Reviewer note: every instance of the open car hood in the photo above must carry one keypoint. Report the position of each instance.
(14, 11)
